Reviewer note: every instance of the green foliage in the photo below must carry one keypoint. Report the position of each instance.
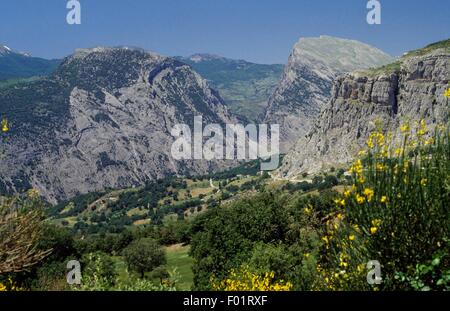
(248, 168)
(59, 240)
(397, 212)
(144, 255)
(434, 274)
(226, 238)
(288, 262)
(80, 203)
(444, 44)
(50, 276)
(98, 272)
(173, 231)
(160, 273)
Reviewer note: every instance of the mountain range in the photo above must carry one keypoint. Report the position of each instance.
(20, 65)
(101, 118)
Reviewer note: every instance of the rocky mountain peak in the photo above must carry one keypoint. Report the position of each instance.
(103, 120)
(307, 81)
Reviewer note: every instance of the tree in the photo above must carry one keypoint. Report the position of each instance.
(21, 225)
(144, 255)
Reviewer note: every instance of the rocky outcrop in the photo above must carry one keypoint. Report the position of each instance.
(103, 120)
(406, 91)
(308, 79)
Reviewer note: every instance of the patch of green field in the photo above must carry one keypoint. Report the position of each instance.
(121, 269)
(178, 257)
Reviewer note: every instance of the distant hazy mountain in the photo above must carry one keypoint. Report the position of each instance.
(307, 81)
(102, 120)
(244, 86)
(19, 65)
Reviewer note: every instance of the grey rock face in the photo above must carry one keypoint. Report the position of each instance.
(407, 91)
(308, 78)
(103, 120)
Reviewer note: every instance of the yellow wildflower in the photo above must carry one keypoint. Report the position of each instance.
(360, 268)
(360, 199)
(429, 141)
(373, 230)
(423, 182)
(369, 194)
(447, 93)
(357, 167)
(376, 222)
(398, 151)
(422, 128)
(5, 127)
(347, 193)
(380, 139)
(405, 128)
(33, 193)
(307, 210)
(377, 138)
(381, 167)
(245, 280)
(362, 153)
(383, 199)
(340, 202)
(351, 237)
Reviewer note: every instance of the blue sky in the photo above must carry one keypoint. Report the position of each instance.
(262, 31)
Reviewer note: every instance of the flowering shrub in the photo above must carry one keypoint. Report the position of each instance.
(246, 280)
(8, 285)
(396, 212)
(5, 126)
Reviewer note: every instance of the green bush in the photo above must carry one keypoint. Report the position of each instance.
(225, 239)
(144, 255)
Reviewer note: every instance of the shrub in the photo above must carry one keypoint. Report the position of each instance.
(144, 255)
(246, 280)
(225, 239)
(397, 210)
(98, 273)
(21, 226)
